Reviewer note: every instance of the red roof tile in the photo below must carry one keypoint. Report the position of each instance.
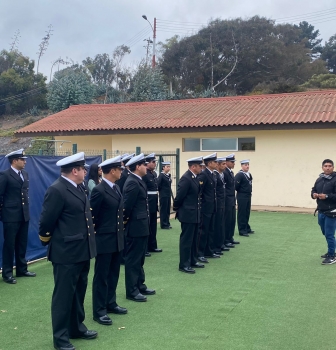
(307, 107)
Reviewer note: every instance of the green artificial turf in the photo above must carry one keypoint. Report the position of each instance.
(270, 292)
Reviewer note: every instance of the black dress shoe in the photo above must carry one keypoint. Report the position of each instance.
(250, 231)
(156, 250)
(187, 270)
(105, 320)
(9, 280)
(229, 245)
(202, 259)
(148, 291)
(198, 265)
(244, 234)
(170, 227)
(165, 228)
(235, 242)
(147, 255)
(213, 256)
(225, 249)
(86, 335)
(27, 274)
(117, 310)
(65, 347)
(219, 253)
(138, 298)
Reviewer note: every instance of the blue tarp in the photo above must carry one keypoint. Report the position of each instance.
(42, 171)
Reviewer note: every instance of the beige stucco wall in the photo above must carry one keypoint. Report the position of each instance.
(284, 165)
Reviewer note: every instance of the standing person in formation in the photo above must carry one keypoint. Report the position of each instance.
(230, 202)
(121, 182)
(164, 186)
(84, 184)
(66, 227)
(136, 220)
(187, 205)
(150, 179)
(95, 175)
(243, 186)
(124, 159)
(107, 213)
(14, 214)
(208, 182)
(219, 236)
(324, 191)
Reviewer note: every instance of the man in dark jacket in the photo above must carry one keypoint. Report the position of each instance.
(230, 202)
(164, 186)
(125, 172)
(14, 213)
(243, 186)
(219, 236)
(66, 226)
(187, 205)
(136, 220)
(150, 179)
(324, 191)
(208, 181)
(107, 213)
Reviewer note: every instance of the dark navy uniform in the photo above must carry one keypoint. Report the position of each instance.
(122, 180)
(66, 226)
(164, 187)
(14, 213)
(243, 186)
(219, 235)
(208, 182)
(136, 219)
(230, 205)
(150, 180)
(107, 213)
(187, 205)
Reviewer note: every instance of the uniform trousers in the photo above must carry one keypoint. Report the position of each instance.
(206, 238)
(165, 203)
(134, 262)
(244, 210)
(67, 305)
(219, 236)
(105, 281)
(230, 222)
(15, 240)
(188, 244)
(152, 243)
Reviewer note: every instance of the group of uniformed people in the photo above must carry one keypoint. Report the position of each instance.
(205, 204)
(119, 224)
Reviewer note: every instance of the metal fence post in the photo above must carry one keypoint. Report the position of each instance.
(40, 152)
(137, 150)
(177, 165)
(104, 154)
(74, 148)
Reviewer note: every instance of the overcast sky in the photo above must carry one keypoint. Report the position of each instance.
(88, 27)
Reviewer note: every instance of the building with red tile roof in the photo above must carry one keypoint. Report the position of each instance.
(285, 136)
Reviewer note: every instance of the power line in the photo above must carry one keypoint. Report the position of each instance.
(22, 95)
(20, 98)
(185, 23)
(306, 14)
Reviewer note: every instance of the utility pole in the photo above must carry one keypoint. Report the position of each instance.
(154, 39)
(211, 62)
(149, 41)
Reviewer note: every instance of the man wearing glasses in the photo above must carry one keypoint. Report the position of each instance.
(14, 213)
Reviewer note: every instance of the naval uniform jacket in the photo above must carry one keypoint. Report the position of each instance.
(107, 213)
(243, 183)
(230, 199)
(187, 202)
(208, 182)
(164, 182)
(136, 212)
(14, 200)
(150, 179)
(220, 190)
(66, 224)
(123, 178)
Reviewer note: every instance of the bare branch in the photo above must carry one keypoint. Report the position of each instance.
(44, 45)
